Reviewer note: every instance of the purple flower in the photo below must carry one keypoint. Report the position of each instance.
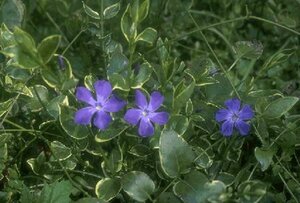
(234, 116)
(146, 113)
(100, 108)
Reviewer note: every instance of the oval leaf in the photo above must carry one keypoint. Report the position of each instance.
(264, 157)
(280, 106)
(111, 11)
(107, 188)
(66, 118)
(60, 151)
(176, 156)
(148, 35)
(138, 185)
(48, 47)
(90, 12)
(197, 188)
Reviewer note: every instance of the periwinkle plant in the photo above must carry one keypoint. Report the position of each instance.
(100, 108)
(234, 117)
(145, 115)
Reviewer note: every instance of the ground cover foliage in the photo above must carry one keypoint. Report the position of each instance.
(187, 56)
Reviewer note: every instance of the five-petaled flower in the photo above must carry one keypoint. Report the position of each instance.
(100, 108)
(146, 113)
(234, 116)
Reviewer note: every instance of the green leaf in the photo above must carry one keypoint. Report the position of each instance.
(178, 123)
(6, 37)
(189, 108)
(60, 151)
(20, 58)
(50, 77)
(4, 154)
(264, 157)
(12, 13)
(119, 82)
(129, 28)
(40, 98)
(5, 106)
(203, 160)
(108, 188)
(182, 94)
(24, 40)
(248, 49)
(251, 191)
(90, 12)
(114, 162)
(280, 106)
(48, 47)
(38, 165)
(27, 196)
(16, 72)
(227, 178)
(111, 11)
(90, 200)
(139, 10)
(140, 150)
(168, 197)
(66, 118)
(89, 81)
(114, 130)
(176, 156)
(148, 35)
(197, 188)
(138, 185)
(118, 64)
(143, 76)
(53, 106)
(56, 192)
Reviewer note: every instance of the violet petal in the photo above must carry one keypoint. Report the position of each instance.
(133, 116)
(102, 120)
(243, 127)
(160, 118)
(114, 104)
(83, 116)
(233, 105)
(156, 99)
(223, 114)
(227, 128)
(84, 95)
(103, 90)
(246, 113)
(140, 99)
(146, 128)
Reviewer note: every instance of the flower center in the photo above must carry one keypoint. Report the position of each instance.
(235, 117)
(98, 107)
(144, 113)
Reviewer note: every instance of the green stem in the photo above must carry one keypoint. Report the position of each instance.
(56, 26)
(82, 172)
(166, 188)
(274, 23)
(70, 44)
(252, 172)
(287, 187)
(211, 146)
(215, 56)
(102, 31)
(14, 101)
(287, 171)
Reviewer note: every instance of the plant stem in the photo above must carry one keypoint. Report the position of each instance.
(274, 23)
(215, 56)
(70, 44)
(287, 187)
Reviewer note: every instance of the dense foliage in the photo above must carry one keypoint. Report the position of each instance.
(149, 101)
